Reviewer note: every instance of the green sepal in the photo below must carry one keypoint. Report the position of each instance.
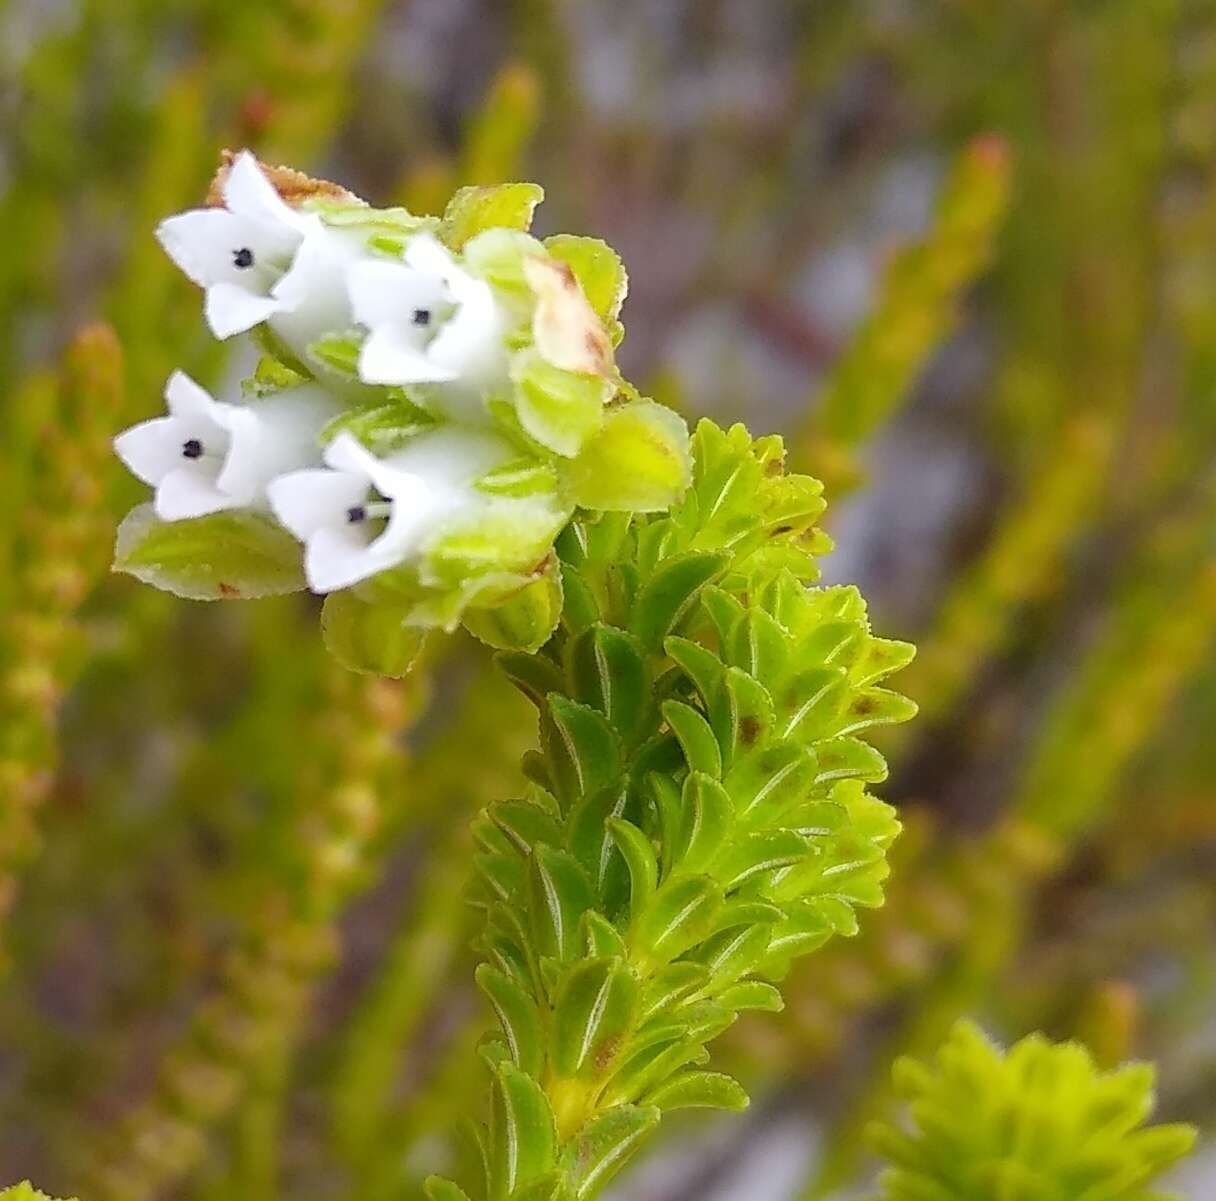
(475, 209)
(382, 427)
(558, 409)
(239, 554)
(637, 461)
(371, 637)
(338, 351)
(270, 375)
(525, 620)
(598, 269)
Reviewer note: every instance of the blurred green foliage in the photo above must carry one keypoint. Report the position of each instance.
(963, 254)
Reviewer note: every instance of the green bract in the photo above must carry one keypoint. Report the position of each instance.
(1040, 1123)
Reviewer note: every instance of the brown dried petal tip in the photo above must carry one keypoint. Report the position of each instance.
(294, 186)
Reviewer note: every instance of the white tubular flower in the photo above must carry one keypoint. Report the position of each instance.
(207, 456)
(259, 259)
(429, 320)
(364, 515)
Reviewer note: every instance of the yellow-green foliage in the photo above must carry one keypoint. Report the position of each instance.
(1039, 1123)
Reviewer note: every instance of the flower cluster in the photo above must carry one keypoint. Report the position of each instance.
(436, 397)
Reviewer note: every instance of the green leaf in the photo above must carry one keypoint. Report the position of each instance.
(559, 892)
(707, 1090)
(671, 592)
(679, 916)
(439, 1189)
(500, 206)
(637, 462)
(752, 994)
(233, 555)
(733, 954)
(559, 409)
(23, 1192)
(518, 1016)
(697, 741)
(639, 858)
(601, 937)
(873, 707)
(593, 1014)
(604, 1145)
(370, 637)
(608, 670)
(534, 675)
(586, 748)
(523, 1134)
(766, 783)
(1039, 1120)
(598, 269)
(707, 817)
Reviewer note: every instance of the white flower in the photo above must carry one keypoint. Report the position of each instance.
(364, 515)
(207, 456)
(429, 320)
(259, 259)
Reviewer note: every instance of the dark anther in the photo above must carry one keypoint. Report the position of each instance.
(192, 449)
(422, 316)
(355, 513)
(243, 258)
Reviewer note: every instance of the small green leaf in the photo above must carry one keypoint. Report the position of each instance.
(697, 741)
(370, 637)
(518, 1016)
(438, 1189)
(23, 1192)
(637, 462)
(752, 994)
(604, 1145)
(707, 817)
(595, 1009)
(534, 675)
(608, 669)
(679, 916)
(559, 892)
(639, 858)
(601, 937)
(523, 1134)
(587, 744)
(671, 592)
(233, 555)
(500, 206)
(707, 1090)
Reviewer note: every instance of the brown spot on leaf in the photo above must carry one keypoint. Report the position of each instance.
(749, 730)
(229, 590)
